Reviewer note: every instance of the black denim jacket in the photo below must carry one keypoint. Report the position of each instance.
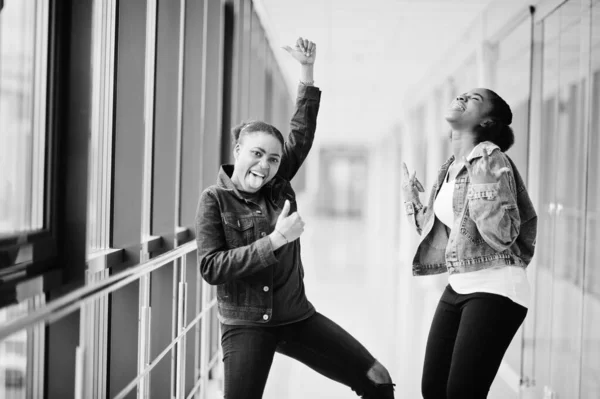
(234, 251)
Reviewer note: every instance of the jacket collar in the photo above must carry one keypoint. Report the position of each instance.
(476, 152)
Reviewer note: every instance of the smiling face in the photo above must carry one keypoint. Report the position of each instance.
(257, 157)
(469, 110)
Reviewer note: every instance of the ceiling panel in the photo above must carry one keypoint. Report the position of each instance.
(369, 52)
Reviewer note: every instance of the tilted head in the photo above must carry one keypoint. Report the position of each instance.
(257, 152)
(485, 114)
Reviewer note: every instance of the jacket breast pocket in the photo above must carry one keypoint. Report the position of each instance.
(239, 229)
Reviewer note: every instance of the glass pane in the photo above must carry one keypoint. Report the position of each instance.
(20, 160)
(590, 373)
(541, 309)
(162, 295)
(13, 356)
(193, 294)
(150, 65)
(570, 195)
(512, 83)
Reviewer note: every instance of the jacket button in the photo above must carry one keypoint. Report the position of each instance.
(266, 317)
(266, 289)
(263, 234)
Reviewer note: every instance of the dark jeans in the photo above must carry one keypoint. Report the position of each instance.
(467, 340)
(317, 342)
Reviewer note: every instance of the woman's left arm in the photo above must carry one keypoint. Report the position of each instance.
(304, 120)
(492, 200)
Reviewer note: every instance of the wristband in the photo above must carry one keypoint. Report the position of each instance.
(281, 234)
(412, 207)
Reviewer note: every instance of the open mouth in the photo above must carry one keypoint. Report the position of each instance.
(257, 174)
(255, 179)
(457, 106)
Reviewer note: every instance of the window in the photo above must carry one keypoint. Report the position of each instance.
(21, 353)
(23, 64)
(13, 357)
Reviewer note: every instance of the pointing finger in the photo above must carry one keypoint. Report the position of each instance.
(419, 185)
(486, 157)
(501, 171)
(467, 165)
(405, 171)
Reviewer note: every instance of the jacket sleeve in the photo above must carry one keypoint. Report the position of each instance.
(218, 264)
(493, 207)
(302, 133)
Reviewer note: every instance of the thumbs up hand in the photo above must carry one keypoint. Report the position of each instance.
(284, 212)
(304, 51)
(288, 227)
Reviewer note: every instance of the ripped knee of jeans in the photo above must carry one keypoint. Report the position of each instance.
(378, 374)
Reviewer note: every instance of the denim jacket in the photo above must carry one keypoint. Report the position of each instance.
(494, 224)
(234, 251)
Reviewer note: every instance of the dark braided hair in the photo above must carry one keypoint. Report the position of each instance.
(245, 128)
(498, 131)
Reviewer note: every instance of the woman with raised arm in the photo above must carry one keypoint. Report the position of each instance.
(248, 231)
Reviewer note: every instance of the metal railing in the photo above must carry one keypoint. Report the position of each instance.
(92, 300)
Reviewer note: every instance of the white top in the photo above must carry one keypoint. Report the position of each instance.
(442, 207)
(508, 281)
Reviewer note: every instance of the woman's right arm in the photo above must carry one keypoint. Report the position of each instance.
(219, 264)
(416, 214)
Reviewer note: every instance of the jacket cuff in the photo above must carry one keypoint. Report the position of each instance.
(265, 251)
(411, 207)
(310, 92)
(488, 191)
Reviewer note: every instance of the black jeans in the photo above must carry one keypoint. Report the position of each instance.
(318, 342)
(467, 340)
